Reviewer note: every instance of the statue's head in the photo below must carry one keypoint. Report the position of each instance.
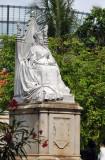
(38, 37)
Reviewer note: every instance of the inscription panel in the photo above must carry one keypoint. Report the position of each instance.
(61, 134)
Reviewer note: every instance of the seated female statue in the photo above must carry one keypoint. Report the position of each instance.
(39, 76)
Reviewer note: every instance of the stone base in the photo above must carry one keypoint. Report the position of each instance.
(50, 157)
(4, 117)
(60, 123)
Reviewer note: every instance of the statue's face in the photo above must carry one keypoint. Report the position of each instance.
(40, 37)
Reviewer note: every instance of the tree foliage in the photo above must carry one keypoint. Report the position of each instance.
(59, 16)
(92, 32)
(92, 35)
(83, 70)
(7, 57)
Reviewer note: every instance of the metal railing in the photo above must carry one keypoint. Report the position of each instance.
(11, 15)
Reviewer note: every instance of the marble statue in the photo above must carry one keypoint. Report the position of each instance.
(37, 75)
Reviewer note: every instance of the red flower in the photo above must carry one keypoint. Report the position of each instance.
(45, 144)
(13, 104)
(34, 135)
(8, 137)
(40, 131)
(3, 82)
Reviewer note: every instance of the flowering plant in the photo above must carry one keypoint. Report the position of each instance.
(14, 138)
(6, 88)
(13, 104)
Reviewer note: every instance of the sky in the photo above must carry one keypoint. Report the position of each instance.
(86, 5)
(16, 2)
(81, 5)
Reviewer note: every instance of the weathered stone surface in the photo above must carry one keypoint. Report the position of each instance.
(50, 157)
(60, 123)
(4, 117)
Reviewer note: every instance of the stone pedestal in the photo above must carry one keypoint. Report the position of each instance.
(60, 123)
(4, 117)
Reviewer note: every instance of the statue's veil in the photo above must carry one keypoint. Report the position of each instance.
(23, 45)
